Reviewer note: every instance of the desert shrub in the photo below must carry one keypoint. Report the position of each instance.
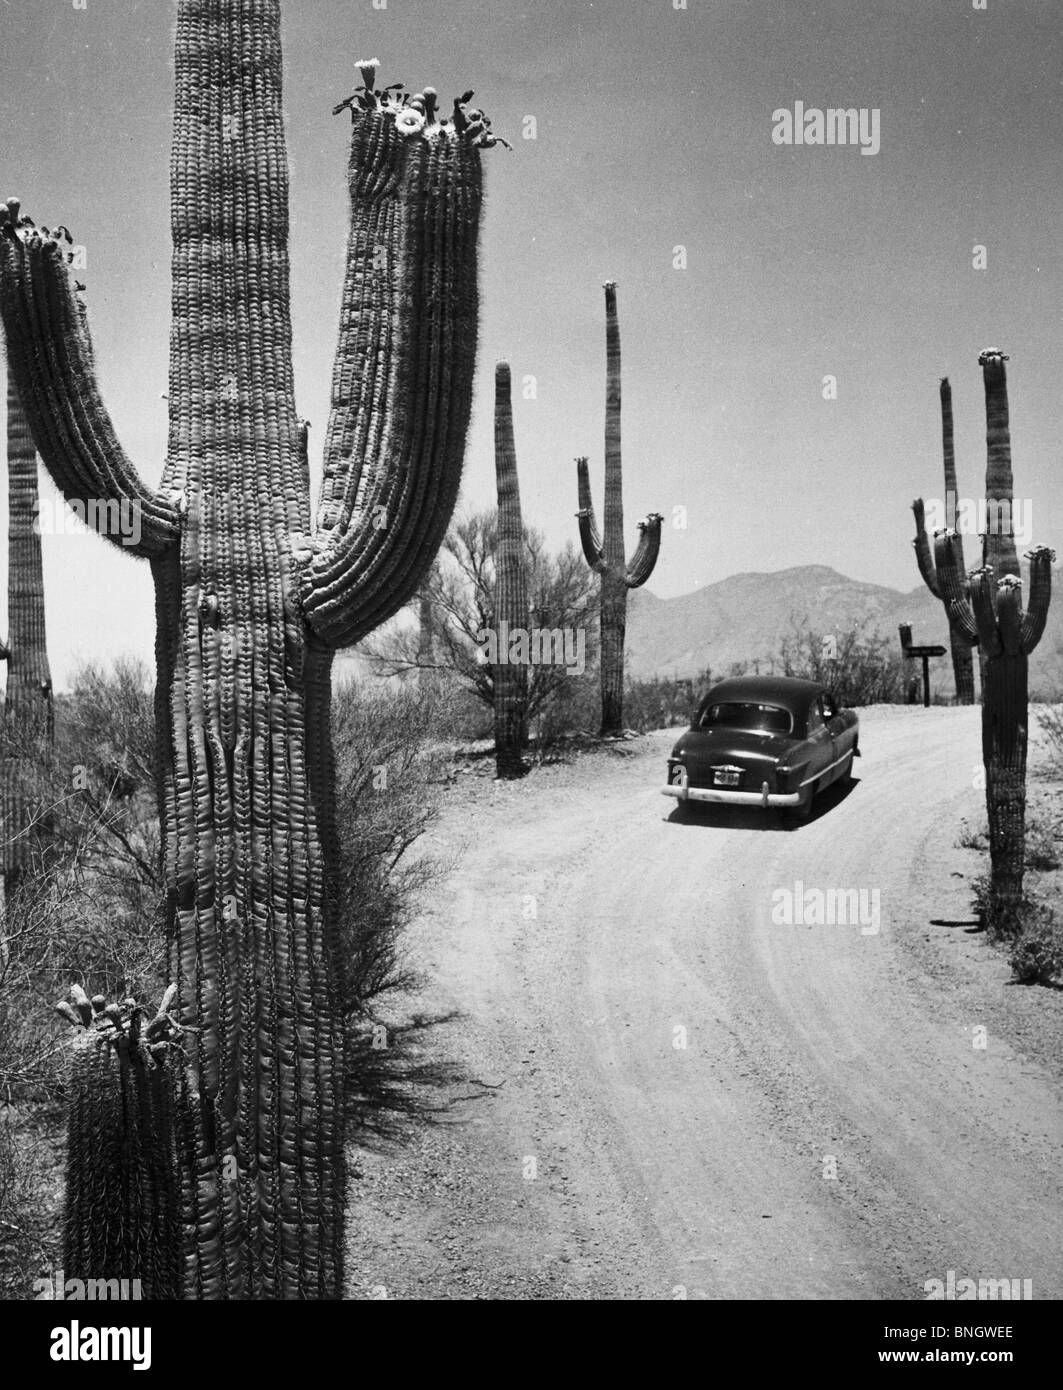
(1037, 952)
(1050, 727)
(387, 796)
(972, 837)
(1042, 844)
(662, 702)
(859, 668)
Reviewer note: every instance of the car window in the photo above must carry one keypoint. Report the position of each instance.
(746, 714)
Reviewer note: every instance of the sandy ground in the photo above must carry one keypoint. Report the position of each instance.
(664, 1093)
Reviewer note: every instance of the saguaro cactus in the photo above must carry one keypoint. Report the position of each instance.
(252, 602)
(122, 1198)
(962, 658)
(28, 704)
(511, 589)
(604, 551)
(988, 610)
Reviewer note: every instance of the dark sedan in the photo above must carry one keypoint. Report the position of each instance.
(764, 741)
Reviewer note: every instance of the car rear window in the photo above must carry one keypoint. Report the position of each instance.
(766, 719)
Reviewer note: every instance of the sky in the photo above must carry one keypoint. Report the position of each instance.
(748, 271)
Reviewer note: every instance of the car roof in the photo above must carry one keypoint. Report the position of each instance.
(787, 692)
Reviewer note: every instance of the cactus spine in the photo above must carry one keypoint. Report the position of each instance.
(510, 679)
(604, 551)
(962, 658)
(28, 705)
(988, 610)
(252, 601)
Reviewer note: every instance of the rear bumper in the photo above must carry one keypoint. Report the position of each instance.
(732, 798)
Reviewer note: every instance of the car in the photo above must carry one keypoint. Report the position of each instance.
(768, 741)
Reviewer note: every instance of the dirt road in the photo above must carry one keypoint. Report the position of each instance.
(666, 1093)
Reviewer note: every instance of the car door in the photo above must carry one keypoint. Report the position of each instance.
(842, 732)
(820, 743)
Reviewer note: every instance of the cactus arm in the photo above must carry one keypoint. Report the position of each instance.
(592, 545)
(923, 557)
(1010, 615)
(641, 564)
(402, 381)
(954, 595)
(999, 546)
(984, 608)
(948, 448)
(51, 360)
(1033, 624)
(592, 552)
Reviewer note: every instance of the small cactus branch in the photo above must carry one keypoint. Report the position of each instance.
(1010, 615)
(641, 564)
(923, 557)
(122, 1200)
(403, 374)
(51, 359)
(590, 536)
(954, 593)
(1033, 624)
(984, 608)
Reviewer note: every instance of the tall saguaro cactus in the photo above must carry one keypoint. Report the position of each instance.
(28, 704)
(962, 658)
(604, 550)
(988, 610)
(511, 588)
(252, 601)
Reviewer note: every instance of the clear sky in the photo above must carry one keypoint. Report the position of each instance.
(654, 131)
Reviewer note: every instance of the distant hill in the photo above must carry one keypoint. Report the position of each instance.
(748, 615)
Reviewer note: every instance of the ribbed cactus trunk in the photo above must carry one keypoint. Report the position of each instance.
(510, 679)
(604, 551)
(252, 601)
(962, 659)
(29, 711)
(1005, 668)
(990, 612)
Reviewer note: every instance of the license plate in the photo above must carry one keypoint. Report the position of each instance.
(726, 778)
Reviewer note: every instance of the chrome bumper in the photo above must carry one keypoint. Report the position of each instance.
(733, 798)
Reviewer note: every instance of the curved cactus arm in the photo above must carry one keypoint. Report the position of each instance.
(51, 359)
(640, 566)
(923, 557)
(403, 374)
(1033, 624)
(984, 608)
(592, 553)
(1010, 615)
(954, 593)
(586, 509)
